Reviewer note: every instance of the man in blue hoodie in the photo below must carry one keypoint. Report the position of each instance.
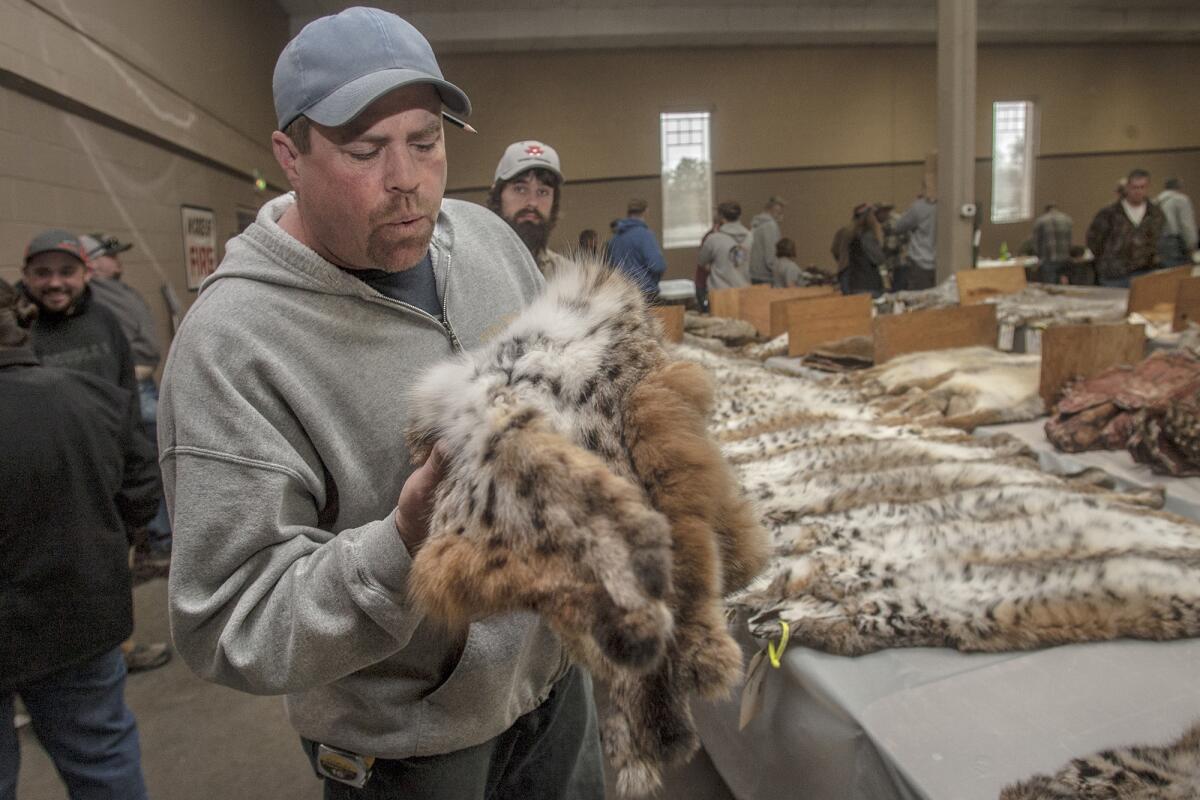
(635, 250)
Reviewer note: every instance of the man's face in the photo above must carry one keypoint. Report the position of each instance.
(527, 204)
(55, 280)
(526, 199)
(368, 193)
(777, 213)
(1136, 190)
(105, 266)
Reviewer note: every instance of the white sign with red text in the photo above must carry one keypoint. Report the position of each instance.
(199, 244)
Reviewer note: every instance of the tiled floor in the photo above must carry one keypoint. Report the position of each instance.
(205, 742)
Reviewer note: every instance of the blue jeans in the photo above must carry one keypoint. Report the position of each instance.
(159, 529)
(80, 717)
(551, 753)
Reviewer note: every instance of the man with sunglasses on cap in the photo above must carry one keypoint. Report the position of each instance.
(137, 323)
(282, 433)
(525, 192)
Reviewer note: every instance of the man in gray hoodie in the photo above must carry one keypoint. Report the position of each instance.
(725, 253)
(765, 228)
(1178, 239)
(282, 428)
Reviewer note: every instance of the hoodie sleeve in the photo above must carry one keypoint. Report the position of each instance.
(266, 596)
(263, 600)
(653, 256)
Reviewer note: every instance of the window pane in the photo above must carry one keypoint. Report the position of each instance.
(1012, 161)
(686, 178)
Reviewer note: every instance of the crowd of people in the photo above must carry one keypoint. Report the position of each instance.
(281, 428)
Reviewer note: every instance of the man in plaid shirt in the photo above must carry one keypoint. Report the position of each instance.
(1052, 243)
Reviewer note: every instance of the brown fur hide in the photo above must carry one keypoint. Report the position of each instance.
(581, 483)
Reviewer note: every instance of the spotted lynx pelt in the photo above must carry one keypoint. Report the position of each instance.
(581, 483)
(1130, 773)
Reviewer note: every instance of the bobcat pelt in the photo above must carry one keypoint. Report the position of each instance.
(1080, 569)
(580, 482)
(1129, 773)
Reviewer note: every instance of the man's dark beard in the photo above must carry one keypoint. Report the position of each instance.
(534, 233)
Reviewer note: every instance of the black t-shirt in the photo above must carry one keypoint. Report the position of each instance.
(415, 286)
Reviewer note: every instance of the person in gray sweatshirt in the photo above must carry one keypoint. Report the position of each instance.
(281, 428)
(725, 253)
(765, 230)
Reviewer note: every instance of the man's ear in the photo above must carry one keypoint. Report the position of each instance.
(287, 155)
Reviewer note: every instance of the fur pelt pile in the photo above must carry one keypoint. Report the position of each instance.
(731, 332)
(961, 388)
(1129, 773)
(1158, 395)
(581, 482)
(890, 535)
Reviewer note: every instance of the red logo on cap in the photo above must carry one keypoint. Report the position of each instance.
(534, 150)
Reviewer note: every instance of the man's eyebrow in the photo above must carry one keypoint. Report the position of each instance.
(432, 129)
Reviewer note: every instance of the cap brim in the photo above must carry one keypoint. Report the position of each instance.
(517, 170)
(120, 248)
(347, 102)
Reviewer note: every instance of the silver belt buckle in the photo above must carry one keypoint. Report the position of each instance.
(343, 766)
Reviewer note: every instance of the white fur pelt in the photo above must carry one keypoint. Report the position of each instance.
(1078, 572)
(580, 482)
(962, 387)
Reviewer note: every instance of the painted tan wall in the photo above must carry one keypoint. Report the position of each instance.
(58, 170)
(800, 119)
(197, 75)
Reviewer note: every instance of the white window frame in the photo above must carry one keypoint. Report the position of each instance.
(699, 212)
(1018, 208)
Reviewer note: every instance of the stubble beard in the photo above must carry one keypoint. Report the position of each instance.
(389, 251)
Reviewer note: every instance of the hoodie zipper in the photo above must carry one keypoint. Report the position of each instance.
(444, 322)
(455, 345)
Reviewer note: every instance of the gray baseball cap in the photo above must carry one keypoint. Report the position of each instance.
(340, 64)
(524, 155)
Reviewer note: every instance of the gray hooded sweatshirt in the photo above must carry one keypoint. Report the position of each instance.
(726, 252)
(281, 430)
(765, 229)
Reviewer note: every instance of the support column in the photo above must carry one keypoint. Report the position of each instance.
(955, 134)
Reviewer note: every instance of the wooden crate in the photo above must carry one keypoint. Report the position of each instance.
(976, 285)
(1156, 289)
(1187, 304)
(779, 298)
(724, 303)
(1071, 351)
(937, 329)
(815, 321)
(671, 318)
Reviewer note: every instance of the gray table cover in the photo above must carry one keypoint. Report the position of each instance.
(944, 725)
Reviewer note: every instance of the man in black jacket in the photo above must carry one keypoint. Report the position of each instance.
(73, 330)
(76, 473)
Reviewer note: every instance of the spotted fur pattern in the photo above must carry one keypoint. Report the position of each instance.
(1128, 773)
(581, 482)
(892, 535)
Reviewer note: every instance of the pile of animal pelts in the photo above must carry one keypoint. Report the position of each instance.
(1151, 408)
(889, 535)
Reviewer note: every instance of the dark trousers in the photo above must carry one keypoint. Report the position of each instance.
(80, 717)
(911, 278)
(551, 753)
(1049, 271)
